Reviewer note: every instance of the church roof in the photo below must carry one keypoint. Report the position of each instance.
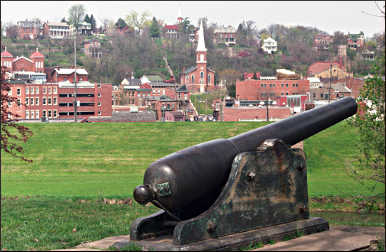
(190, 69)
(201, 40)
(182, 89)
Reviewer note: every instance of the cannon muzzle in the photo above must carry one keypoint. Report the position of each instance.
(187, 182)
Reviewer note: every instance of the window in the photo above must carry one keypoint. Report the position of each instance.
(99, 85)
(27, 90)
(55, 114)
(37, 90)
(270, 85)
(286, 85)
(44, 90)
(286, 93)
(32, 101)
(26, 101)
(262, 85)
(296, 84)
(99, 104)
(32, 90)
(27, 114)
(99, 95)
(293, 84)
(18, 92)
(37, 114)
(321, 95)
(36, 101)
(10, 92)
(32, 114)
(192, 79)
(44, 101)
(49, 90)
(18, 102)
(49, 101)
(55, 90)
(282, 93)
(54, 100)
(99, 113)
(201, 75)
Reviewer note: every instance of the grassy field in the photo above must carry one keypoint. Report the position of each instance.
(75, 166)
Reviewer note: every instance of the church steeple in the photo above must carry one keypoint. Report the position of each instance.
(179, 17)
(201, 40)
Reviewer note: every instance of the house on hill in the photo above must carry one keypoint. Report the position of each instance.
(269, 45)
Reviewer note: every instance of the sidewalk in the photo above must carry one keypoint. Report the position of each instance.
(338, 238)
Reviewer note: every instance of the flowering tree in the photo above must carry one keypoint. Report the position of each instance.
(371, 125)
(11, 132)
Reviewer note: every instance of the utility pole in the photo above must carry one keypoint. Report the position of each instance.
(329, 89)
(267, 110)
(76, 86)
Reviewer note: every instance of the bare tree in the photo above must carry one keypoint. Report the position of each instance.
(76, 15)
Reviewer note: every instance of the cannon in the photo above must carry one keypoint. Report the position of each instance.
(219, 189)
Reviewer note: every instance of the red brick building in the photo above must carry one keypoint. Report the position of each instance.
(199, 78)
(263, 89)
(29, 29)
(232, 114)
(355, 84)
(33, 64)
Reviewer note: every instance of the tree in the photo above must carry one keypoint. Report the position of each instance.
(120, 24)
(11, 31)
(93, 23)
(370, 122)
(136, 21)
(87, 19)
(154, 29)
(76, 14)
(11, 132)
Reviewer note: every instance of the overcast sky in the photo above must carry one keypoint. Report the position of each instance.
(329, 16)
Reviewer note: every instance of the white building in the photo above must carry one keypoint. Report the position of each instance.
(269, 45)
(315, 82)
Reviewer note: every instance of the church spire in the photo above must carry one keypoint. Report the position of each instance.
(201, 40)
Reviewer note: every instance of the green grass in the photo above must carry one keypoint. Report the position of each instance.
(74, 162)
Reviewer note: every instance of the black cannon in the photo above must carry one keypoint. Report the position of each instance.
(227, 186)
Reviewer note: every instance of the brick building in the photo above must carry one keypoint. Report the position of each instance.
(50, 92)
(29, 29)
(33, 64)
(93, 49)
(199, 78)
(253, 90)
(356, 41)
(231, 114)
(225, 35)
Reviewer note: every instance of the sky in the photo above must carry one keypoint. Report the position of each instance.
(328, 16)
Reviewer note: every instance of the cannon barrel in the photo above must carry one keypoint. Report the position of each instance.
(186, 183)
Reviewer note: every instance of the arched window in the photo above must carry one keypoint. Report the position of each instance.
(201, 75)
(202, 57)
(192, 79)
(208, 78)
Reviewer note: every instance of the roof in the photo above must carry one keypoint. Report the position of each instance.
(285, 71)
(269, 39)
(162, 84)
(37, 54)
(80, 84)
(341, 88)
(201, 40)
(6, 54)
(190, 69)
(22, 57)
(319, 67)
(313, 79)
(171, 27)
(228, 29)
(57, 24)
(182, 89)
(67, 71)
(154, 77)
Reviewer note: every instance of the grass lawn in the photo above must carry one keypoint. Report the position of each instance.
(75, 163)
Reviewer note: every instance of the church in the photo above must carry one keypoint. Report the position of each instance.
(199, 78)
